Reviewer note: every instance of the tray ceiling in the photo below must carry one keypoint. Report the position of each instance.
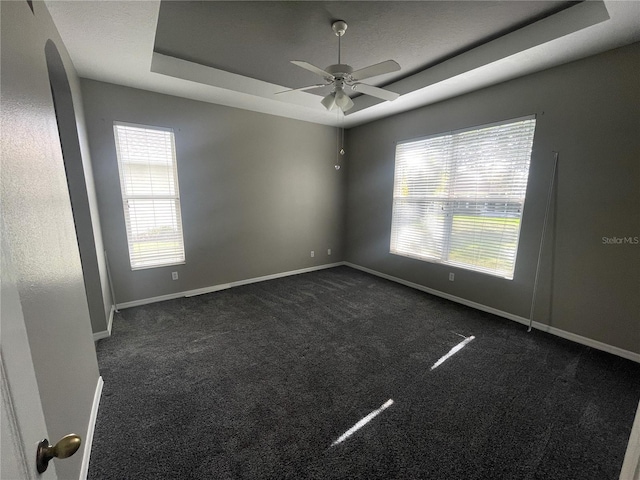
(258, 39)
(238, 53)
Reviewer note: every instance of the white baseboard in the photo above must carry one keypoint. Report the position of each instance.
(105, 333)
(525, 321)
(605, 347)
(88, 439)
(223, 286)
(631, 465)
(478, 306)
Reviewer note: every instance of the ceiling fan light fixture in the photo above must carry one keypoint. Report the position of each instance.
(342, 100)
(329, 101)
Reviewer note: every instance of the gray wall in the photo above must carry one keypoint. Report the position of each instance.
(258, 192)
(81, 189)
(38, 226)
(588, 111)
(93, 231)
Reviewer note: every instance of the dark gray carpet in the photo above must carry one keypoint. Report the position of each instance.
(257, 382)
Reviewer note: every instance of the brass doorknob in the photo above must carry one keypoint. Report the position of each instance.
(67, 446)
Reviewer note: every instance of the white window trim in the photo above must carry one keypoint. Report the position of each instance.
(443, 260)
(125, 198)
(468, 129)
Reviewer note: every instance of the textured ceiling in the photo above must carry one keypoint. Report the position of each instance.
(258, 39)
(473, 44)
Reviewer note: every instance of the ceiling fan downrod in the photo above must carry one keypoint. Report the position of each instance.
(339, 27)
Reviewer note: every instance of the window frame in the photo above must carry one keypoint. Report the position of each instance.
(127, 198)
(444, 254)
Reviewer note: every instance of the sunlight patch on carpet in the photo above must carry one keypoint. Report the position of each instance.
(362, 422)
(452, 352)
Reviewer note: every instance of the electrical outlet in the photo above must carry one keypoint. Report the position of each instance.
(328, 251)
(174, 275)
(452, 276)
(313, 254)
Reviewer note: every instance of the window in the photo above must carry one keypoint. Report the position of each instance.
(458, 197)
(150, 196)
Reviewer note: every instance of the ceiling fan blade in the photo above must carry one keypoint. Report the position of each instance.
(314, 69)
(375, 91)
(319, 85)
(375, 70)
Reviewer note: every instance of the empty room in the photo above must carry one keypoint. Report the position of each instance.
(320, 240)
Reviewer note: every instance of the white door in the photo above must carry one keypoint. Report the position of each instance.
(23, 424)
(50, 372)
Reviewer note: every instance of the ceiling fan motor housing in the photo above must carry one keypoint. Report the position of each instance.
(339, 70)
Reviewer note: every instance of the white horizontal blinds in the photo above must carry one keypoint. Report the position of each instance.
(420, 198)
(458, 197)
(150, 196)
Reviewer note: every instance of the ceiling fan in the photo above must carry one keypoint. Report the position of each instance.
(340, 76)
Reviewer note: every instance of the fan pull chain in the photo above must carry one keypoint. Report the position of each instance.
(337, 165)
(339, 139)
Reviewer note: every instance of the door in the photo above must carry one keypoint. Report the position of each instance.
(50, 380)
(23, 424)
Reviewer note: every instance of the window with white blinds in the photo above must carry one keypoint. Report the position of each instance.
(458, 197)
(150, 195)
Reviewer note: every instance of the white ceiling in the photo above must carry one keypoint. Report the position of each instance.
(114, 41)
